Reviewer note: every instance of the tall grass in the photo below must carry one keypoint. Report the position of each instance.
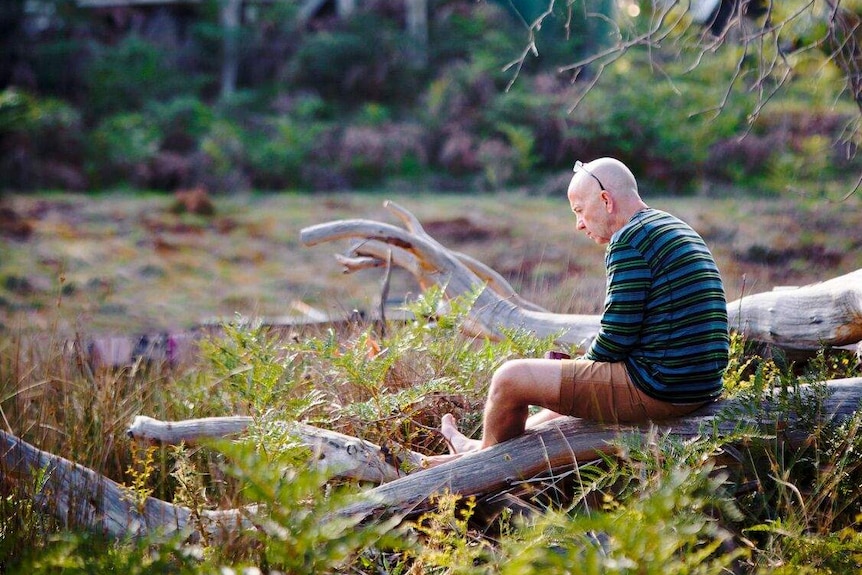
(749, 503)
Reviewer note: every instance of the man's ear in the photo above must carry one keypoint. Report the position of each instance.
(608, 200)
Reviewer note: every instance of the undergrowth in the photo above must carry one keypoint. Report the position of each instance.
(777, 491)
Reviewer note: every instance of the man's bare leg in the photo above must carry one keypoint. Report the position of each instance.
(516, 385)
(541, 417)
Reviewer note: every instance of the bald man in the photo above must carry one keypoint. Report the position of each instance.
(663, 343)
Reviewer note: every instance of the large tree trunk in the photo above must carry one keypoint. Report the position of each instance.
(230, 16)
(72, 492)
(806, 318)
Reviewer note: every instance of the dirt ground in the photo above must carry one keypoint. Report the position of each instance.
(129, 264)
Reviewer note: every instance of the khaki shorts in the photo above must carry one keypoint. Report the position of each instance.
(604, 392)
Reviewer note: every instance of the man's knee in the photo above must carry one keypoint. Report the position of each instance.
(503, 383)
(510, 383)
(521, 382)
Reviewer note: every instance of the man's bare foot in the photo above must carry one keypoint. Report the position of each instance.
(435, 460)
(458, 442)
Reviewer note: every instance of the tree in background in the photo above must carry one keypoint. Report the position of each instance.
(304, 95)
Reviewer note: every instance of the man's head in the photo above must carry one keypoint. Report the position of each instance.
(604, 196)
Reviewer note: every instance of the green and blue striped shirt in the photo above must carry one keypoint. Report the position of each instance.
(665, 312)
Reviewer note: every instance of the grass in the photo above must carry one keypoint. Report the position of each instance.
(660, 507)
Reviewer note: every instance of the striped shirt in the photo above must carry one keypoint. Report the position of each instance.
(665, 312)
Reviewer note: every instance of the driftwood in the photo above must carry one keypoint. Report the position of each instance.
(75, 493)
(338, 454)
(805, 318)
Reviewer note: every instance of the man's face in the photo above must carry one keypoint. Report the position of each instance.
(592, 208)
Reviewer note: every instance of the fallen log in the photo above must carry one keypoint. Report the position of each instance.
(336, 453)
(803, 319)
(74, 493)
(78, 496)
(431, 263)
(563, 444)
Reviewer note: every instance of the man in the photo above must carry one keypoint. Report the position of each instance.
(663, 342)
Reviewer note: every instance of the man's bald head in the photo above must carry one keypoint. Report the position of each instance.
(604, 196)
(614, 174)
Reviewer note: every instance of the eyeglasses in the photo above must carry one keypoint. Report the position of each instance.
(579, 165)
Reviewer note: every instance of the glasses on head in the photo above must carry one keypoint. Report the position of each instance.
(579, 165)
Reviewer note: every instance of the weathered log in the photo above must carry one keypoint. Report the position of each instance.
(437, 265)
(823, 314)
(561, 444)
(336, 453)
(145, 428)
(73, 492)
(809, 317)
(79, 496)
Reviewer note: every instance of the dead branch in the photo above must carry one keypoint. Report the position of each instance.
(336, 453)
(431, 263)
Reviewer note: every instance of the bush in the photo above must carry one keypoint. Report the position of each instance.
(659, 133)
(120, 145)
(225, 156)
(39, 141)
(369, 153)
(183, 121)
(533, 114)
(366, 60)
(279, 152)
(127, 76)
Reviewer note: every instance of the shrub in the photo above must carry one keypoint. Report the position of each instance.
(38, 137)
(533, 114)
(668, 528)
(121, 145)
(366, 59)
(127, 76)
(368, 153)
(279, 152)
(498, 161)
(184, 121)
(225, 154)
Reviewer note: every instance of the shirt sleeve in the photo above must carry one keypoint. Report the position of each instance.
(629, 281)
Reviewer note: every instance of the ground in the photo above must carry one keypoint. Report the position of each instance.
(118, 263)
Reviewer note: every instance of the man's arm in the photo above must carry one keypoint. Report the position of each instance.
(629, 281)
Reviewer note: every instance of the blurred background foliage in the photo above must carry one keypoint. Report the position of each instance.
(97, 94)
